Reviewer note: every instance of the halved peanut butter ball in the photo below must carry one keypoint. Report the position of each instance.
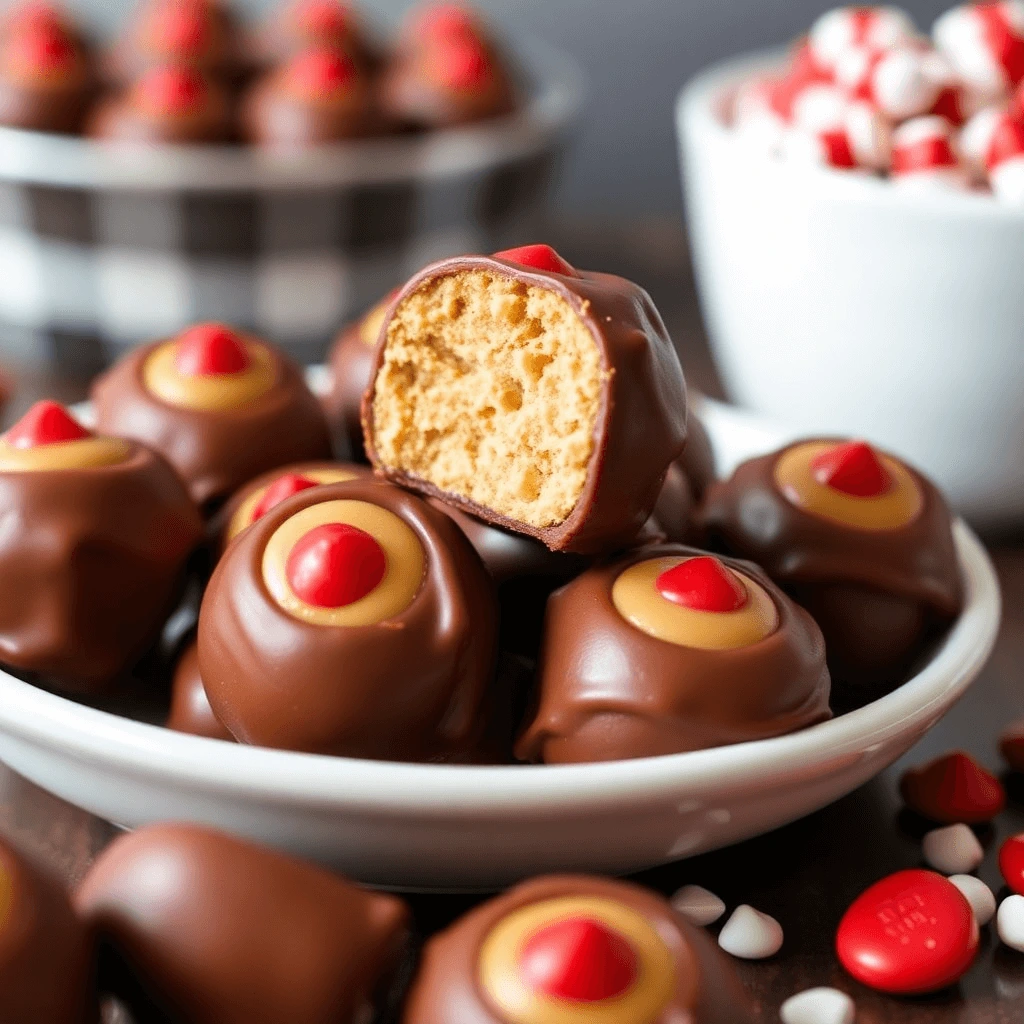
(539, 398)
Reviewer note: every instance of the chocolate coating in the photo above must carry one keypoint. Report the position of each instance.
(93, 561)
(686, 481)
(276, 114)
(215, 930)
(878, 595)
(351, 361)
(215, 452)
(641, 422)
(190, 707)
(414, 687)
(125, 117)
(447, 986)
(46, 953)
(608, 691)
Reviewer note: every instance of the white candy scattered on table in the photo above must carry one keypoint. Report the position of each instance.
(698, 905)
(953, 850)
(750, 935)
(979, 895)
(1010, 922)
(818, 1006)
(924, 156)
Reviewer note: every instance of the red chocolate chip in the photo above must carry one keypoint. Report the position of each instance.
(911, 933)
(283, 487)
(320, 71)
(334, 565)
(580, 960)
(952, 789)
(852, 468)
(537, 257)
(172, 90)
(1011, 745)
(45, 423)
(207, 350)
(703, 584)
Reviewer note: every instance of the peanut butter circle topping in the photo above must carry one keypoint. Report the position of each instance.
(209, 368)
(47, 437)
(315, 598)
(577, 960)
(670, 599)
(850, 484)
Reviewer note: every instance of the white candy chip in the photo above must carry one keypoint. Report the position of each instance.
(1010, 922)
(697, 905)
(818, 1006)
(979, 895)
(751, 935)
(953, 850)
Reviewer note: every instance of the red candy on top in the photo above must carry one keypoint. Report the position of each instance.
(321, 17)
(45, 423)
(208, 350)
(335, 565)
(703, 584)
(911, 933)
(580, 960)
(537, 257)
(320, 71)
(853, 468)
(952, 789)
(445, 21)
(172, 90)
(179, 28)
(42, 47)
(461, 63)
(1011, 863)
(283, 487)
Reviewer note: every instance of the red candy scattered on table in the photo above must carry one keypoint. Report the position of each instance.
(209, 350)
(580, 960)
(703, 584)
(283, 487)
(538, 257)
(1011, 863)
(852, 468)
(953, 788)
(335, 565)
(45, 423)
(911, 933)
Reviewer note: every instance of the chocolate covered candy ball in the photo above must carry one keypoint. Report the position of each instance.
(542, 399)
(352, 619)
(446, 72)
(351, 363)
(210, 929)
(575, 950)
(319, 95)
(298, 25)
(46, 952)
(687, 480)
(859, 538)
(667, 650)
(99, 532)
(220, 405)
(190, 707)
(170, 103)
(46, 78)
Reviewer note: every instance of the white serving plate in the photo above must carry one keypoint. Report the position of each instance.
(842, 304)
(453, 827)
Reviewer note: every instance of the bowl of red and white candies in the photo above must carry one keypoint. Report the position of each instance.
(856, 216)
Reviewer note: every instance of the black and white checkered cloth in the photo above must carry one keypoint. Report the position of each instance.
(101, 249)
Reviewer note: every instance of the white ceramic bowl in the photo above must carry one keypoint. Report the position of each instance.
(839, 303)
(430, 826)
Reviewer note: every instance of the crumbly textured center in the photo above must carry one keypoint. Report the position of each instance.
(490, 390)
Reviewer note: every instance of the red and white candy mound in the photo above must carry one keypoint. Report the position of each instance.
(864, 91)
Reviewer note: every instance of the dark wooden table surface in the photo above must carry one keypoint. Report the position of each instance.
(804, 875)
